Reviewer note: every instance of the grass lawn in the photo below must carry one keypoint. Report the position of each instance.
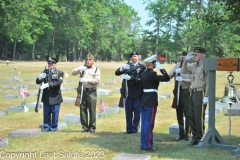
(109, 140)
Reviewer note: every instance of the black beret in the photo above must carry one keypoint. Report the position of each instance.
(200, 50)
(133, 53)
(51, 60)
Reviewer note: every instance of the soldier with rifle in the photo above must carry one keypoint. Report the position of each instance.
(129, 95)
(89, 79)
(51, 80)
(180, 102)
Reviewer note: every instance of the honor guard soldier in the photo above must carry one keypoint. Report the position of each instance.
(182, 108)
(148, 93)
(199, 93)
(90, 80)
(132, 73)
(52, 96)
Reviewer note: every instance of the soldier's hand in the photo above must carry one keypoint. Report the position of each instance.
(41, 76)
(125, 67)
(190, 56)
(158, 65)
(44, 85)
(205, 100)
(82, 80)
(127, 77)
(82, 68)
(179, 79)
(178, 70)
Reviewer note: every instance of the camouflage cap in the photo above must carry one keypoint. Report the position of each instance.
(200, 50)
(90, 56)
(51, 60)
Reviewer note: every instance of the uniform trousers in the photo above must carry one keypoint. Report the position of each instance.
(89, 101)
(50, 117)
(148, 114)
(196, 113)
(132, 111)
(182, 110)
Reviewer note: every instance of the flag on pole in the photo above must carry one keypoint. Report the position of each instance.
(24, 92)
(102, 106)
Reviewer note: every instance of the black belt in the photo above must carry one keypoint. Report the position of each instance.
(89, 89)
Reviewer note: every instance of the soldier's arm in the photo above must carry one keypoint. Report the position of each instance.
(57, 81)
(207, 84)
(96, 77)
(172, 73)
(163, 78)
(76, 71)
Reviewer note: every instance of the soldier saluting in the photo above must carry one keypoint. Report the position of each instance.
(132, 73)
(52, 96)
(148, 93)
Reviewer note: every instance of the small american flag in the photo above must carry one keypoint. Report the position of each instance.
(102, 106)
(24, 92)
(1, 138)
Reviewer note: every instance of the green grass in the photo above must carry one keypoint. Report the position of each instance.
(109, 138)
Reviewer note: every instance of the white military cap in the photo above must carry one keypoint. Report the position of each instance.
(150, 59)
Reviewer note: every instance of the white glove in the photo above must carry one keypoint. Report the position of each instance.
(82, 80)
(41, 76)
(178, 70)
(189, 56)
(179, 79)
(158, 65)
(205, 100)
(125, 67)
(127, 77)
(82, 68)
(44, 85)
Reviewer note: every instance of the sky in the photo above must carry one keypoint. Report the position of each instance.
(138, 6)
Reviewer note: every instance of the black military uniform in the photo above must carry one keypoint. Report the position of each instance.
(148, 93)
(52, 96)
(130, 94)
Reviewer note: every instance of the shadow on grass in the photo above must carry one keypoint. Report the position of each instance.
(167, 147)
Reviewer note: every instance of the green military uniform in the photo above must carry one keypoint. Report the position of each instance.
(199, 90)
(182, 110)
(89, 97)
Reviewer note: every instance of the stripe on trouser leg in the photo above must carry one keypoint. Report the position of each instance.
(150, 128)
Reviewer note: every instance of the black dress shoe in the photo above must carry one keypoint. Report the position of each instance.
(187, 138)
(92, 131)
(83, 130)
(150, 149)
(179, 138)
(192, 143)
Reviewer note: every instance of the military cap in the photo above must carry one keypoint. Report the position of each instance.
(51, 60)
(184, 53)
(133, 53)
(200, 50)
(150, 59)
(90, 56)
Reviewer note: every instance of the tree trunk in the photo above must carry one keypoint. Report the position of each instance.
(14, 49)
(81, 54)
(157, 36)
(41, 51)
(33, 50)
(6, 49)
(74, 47)
(53, 43)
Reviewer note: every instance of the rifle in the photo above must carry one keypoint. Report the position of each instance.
(39, 96)
(176, 90)
(123, 91)
(78, 100)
